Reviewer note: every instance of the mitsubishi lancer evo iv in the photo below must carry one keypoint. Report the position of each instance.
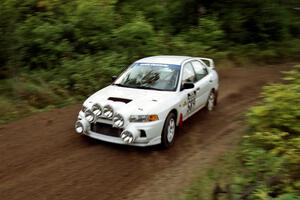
(145, 104)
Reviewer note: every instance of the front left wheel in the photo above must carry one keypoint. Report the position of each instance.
(169, 129)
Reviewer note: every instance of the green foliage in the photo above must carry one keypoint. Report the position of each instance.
(41, 34)
(71, 48)
(8, 110)
(44, 44)
(200, 40)
(270, 153)
(138, 37)
(93, 23)
(257, 21)
(85, 75)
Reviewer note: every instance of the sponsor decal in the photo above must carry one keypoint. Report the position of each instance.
(183, 104)
(191, 100)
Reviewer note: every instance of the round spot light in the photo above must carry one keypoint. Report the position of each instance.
(127, 137)
(97, 110)
(90, 116)
(108, 111)
(79, 127)
(118, 121)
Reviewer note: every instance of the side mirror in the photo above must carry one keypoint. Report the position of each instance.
(188, 85)
(113, 78)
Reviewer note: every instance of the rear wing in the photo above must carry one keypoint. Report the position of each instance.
(208, 61)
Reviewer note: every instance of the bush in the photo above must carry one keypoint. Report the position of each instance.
(203, 39)
(137, 37)
(270, 153)
(86, 74)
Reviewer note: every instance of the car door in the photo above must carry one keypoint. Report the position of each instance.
(202, 83)
(189, 95)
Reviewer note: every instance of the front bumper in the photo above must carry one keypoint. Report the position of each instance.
(152, 132)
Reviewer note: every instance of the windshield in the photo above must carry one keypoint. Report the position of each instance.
(150, 76)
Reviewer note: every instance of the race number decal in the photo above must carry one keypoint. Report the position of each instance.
(191, 101)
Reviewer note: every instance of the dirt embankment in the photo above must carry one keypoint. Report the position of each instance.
(42, 158)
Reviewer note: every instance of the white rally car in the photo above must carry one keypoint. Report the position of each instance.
(145, 104)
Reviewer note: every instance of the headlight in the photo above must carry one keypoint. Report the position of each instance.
(143, 118)
(97, 110)
(89, 115)
(108, 111)
(118, 121)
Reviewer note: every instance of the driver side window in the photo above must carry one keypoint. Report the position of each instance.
(188, 73)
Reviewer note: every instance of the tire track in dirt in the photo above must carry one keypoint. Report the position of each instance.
(42, 158)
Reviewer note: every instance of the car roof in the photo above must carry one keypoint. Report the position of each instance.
(174, 60)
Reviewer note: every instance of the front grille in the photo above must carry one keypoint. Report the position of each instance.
(106, 129)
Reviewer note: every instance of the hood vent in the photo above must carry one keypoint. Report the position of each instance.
(119, 99)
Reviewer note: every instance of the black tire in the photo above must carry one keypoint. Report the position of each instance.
(165, 141)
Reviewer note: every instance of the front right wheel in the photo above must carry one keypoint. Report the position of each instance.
(169, 129)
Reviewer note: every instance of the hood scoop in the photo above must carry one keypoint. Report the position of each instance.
(119, 99)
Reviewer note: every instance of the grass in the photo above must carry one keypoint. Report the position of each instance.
(212, 182)
(24, 95)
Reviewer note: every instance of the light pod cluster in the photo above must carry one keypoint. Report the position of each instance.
(96, 111)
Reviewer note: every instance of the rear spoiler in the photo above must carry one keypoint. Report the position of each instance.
(209, 62)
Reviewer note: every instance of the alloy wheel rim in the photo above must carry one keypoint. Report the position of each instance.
(171, 130)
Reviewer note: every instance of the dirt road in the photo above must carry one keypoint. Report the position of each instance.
(41, 157)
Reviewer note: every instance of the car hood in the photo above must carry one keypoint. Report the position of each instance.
(130, 100)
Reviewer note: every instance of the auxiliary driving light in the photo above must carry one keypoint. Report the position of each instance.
(108, 111)
(79, 127)
(97, 110)
(90, 116)
(118, 121)
(127, 137)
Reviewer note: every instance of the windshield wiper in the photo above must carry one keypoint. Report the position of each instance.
(147, 88)
(120, 85)
(138, 86)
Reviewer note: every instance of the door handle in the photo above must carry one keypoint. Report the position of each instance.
(198, 89)
(210, 81)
